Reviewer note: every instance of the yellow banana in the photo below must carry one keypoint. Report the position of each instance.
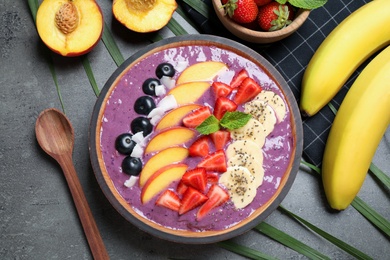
(357, 130)
(355, 39)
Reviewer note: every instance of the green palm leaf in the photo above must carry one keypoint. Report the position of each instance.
(244, 251)
(111, 46)
(91, 77)
(344, 246)
(289, 241)
(369, 213)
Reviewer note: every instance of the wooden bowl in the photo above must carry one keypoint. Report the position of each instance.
(114, 192)
(259, 36)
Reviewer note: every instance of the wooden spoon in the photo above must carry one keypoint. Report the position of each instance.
(55, 135)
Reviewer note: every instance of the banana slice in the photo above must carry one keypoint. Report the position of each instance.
(253, 131)
(263, 113)
(247, 161)
(275, 101)
(245, 147)
(240, 184)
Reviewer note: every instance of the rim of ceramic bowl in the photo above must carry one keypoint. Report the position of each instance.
(259, 36)
(180, 236)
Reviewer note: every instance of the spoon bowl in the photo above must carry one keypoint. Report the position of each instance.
(55, 135)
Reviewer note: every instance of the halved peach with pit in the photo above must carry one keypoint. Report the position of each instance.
(70, 28)
(143, 15)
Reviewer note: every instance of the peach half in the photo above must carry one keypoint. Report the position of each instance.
(143, 15)
(161, 159)
(70, 28)
(161, 179)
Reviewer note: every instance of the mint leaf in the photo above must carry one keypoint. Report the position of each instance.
(234, 120)
(208, 126)
(306, 4)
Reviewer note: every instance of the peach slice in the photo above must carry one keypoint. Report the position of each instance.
(161, 179)
(175, 116)
(189, 92)
(202, 71)
(169, 137)
(70, 28)
(161, 159)
(145, 15)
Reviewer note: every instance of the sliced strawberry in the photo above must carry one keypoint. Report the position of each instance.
(214, 162)
(200, 147)
(222, 105)
(220, 138)
(238, 78)
(217, 196)
(221, 89)
(196, 117)
(196, 178)
(212, 177)
(169, 199)
(181, 188)
(246, 91)
(191, 199)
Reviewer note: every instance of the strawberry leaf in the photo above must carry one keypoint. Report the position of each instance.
(208, 126)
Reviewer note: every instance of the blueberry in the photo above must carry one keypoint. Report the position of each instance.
(165, 69)
(131, 165)
(149, 86)
(124, 144)
(143, 105)
(141, 124)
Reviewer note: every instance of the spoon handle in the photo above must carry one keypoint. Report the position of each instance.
(91, 231)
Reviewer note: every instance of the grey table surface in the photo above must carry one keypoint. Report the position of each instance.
(38, 219)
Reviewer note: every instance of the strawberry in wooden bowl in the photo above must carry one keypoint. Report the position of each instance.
(263, 21)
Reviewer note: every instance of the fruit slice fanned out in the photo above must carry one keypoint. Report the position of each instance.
(168, 138)
(214, 162)
(161, 179)
(275, 101)
(222, 105)
(191, 199)
(240, 185)
(216, 197)
(247, 90)
(220, 138)
(196, 117)
(169, 199)
(262, 113)
(220, 89)
(195, 178)
(200, 147)
(175, 116)
(189, 92)
(238, 78)
(202, 71)
(161, 159)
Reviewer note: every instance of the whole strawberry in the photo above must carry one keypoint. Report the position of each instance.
(241, 11)
(275, 16)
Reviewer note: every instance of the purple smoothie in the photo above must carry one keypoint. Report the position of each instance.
(119, 113)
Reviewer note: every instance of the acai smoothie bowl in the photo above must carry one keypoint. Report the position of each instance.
(195, 139)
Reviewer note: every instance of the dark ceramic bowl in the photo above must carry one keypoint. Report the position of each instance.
(183, 236)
